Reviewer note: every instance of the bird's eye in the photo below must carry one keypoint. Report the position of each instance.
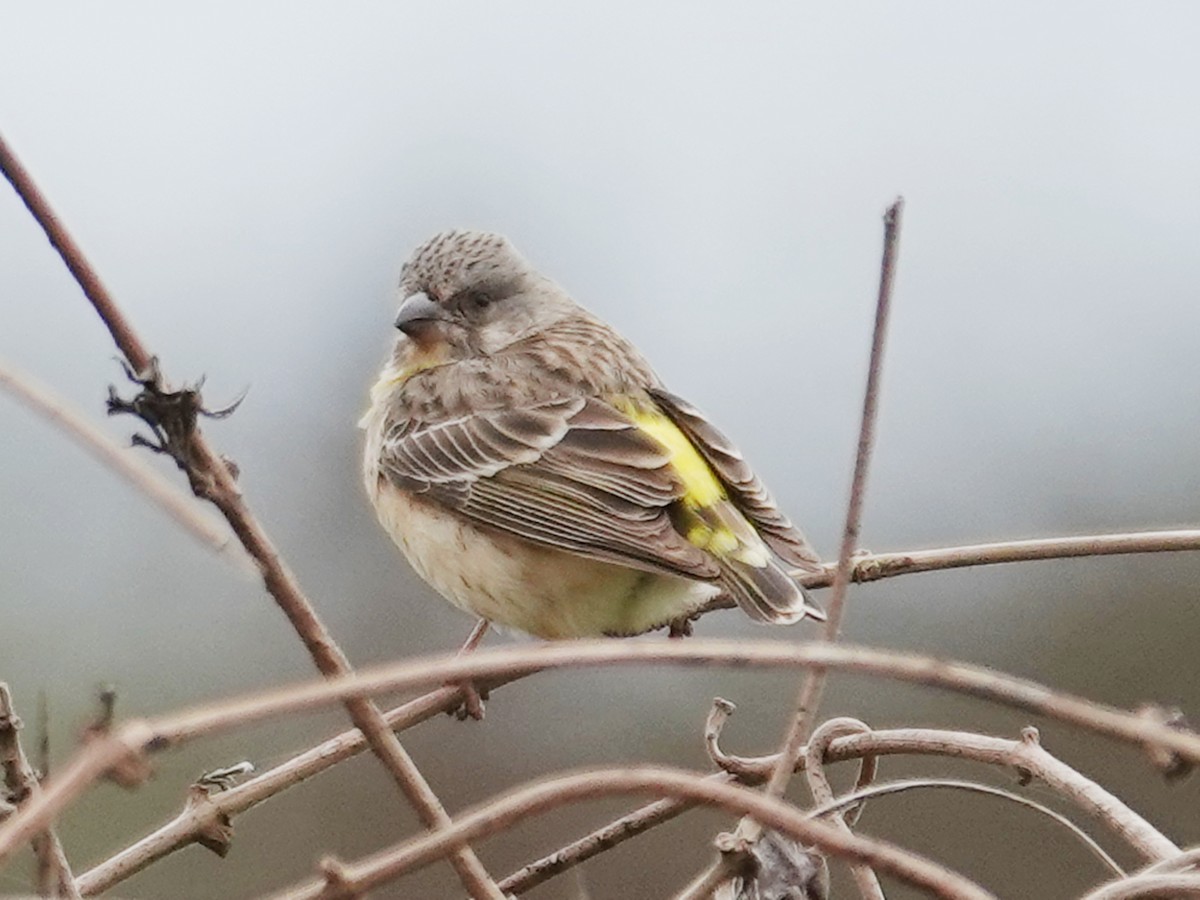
(479, 299)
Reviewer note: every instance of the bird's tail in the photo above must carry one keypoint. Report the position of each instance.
(767, 593)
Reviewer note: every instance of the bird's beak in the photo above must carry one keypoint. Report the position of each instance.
(418, 311)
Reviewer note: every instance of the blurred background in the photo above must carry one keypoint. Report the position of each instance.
(248, 179)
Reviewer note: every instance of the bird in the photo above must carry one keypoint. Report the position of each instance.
(537, 473)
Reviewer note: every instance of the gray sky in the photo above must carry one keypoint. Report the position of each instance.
(249, 178)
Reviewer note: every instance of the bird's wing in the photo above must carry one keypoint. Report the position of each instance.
(745, 489)
(575, 474)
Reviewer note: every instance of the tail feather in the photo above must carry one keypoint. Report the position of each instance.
(767, 593)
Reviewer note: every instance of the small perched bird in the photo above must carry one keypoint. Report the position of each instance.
(536, 473)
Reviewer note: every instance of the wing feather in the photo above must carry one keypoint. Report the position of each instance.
(745, 488)
(575, 474)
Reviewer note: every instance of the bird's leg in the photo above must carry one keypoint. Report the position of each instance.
(680, 628)
(472, 704)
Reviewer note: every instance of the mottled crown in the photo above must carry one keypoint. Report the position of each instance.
(449, 261)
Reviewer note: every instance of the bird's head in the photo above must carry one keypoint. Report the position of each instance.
(470, 293)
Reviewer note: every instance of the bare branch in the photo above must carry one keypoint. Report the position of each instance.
(22, 787)
(822, 793)
(1025, 757)
(858, 796)
(813, 686)
(1168, 887)
(211, 478)
(203, 817)
(174, 502)
(509, 809)
(140, 735)
(875, 566)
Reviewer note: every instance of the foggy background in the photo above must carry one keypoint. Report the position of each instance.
(709, 177)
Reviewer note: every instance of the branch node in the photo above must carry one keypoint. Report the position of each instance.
(171, 417)
(337, 880)
(1172, 766)
(213, 828)
(740, 767)
(134, 768)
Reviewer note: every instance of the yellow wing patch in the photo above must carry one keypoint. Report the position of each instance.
(708, 520)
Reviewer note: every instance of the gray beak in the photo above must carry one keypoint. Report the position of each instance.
(416, 311)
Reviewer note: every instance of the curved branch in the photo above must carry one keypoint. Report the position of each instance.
(509, 809)
(855, 797)
(1025, 756)
(973, 680)
(1168, 887)
(197, 820)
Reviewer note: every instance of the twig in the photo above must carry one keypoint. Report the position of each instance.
(22, 786)
(822, 793)
(1167, 887)
(46, 873)
(814, 680)
(1026, 757)
(210, 817)
(813, 686)
(890, 788)
(505, 811)
(875, 566)
(598, 841)
(211, 479)
(1187, 859)
(174, 502)
(141, 735)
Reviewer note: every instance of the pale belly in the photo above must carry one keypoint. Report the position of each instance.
(545, 592)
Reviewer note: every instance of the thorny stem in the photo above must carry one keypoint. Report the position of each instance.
(210, 478)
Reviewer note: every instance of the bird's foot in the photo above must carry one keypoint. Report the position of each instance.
(472, 703)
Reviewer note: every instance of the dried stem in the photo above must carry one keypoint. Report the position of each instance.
(504, 812)
(875, 566)
(1167, 887)
(814, 680)
(813, 686)
(596, 842)
(1025, 757)
(174, 502)
(140, 735)
(211, 479)
(202, 818)
(22, 786)
(822, 793)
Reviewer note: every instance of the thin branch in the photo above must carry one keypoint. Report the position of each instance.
(875, 566)
(22, 786)
(208, 818)
(1187, 859)
(170, 499)
(890, 788)
(1168, 887)
(211, 479)
(813, 686)
(1026, 757)
(822, 793)
(141, 735)
(596, 842)
(504, 812)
